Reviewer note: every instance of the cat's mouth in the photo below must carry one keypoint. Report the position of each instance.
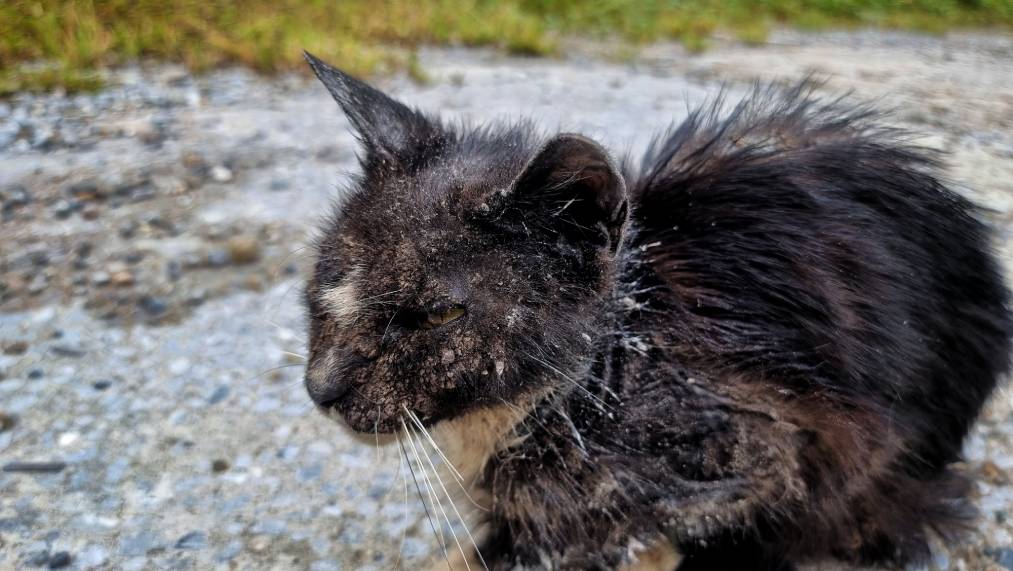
(340, 386)
(376, 431)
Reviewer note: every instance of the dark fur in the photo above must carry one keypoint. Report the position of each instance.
(766, 343)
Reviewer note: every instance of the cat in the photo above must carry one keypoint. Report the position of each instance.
(761, 346)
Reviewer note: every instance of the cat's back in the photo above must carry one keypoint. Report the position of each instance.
(802, 241)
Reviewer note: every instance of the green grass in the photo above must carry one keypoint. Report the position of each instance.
(63, 43)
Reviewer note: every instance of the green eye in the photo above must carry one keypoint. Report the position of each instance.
(433, 320)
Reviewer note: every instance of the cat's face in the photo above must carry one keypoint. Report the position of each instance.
(460, 270)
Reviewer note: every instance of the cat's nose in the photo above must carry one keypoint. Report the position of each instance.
(327, 380)
(327, 390)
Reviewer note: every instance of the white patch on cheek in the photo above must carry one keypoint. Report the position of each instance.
(343, 301)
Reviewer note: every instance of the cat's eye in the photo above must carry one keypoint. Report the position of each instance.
(436, 319)
(421, 319)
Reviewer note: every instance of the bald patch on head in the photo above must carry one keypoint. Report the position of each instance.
(343, 301)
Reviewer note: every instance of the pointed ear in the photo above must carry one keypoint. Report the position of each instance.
(389, 130)
(573, 183)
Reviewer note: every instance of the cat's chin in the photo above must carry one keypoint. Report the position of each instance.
(380, 433)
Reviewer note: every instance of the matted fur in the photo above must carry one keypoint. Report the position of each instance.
(765, 343)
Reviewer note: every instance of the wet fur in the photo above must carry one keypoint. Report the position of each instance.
(765, 343)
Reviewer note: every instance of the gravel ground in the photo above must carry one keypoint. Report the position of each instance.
(151, 247)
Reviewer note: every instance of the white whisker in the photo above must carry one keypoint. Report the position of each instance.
(415, 420)
(436, 534)
(572, 381)
(457, 475)
(404, 528)
(459, 518)
(436, 495)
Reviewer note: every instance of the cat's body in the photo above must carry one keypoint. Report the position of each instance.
(763, 346)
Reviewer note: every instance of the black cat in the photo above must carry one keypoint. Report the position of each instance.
(763, 346)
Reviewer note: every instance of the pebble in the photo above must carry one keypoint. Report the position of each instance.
(14, 197)
(173, 270)
(220, 394)
(7, 421)
(62, 209)
(102, 385)
(259, 544)
(123, 278)
(192, 540)
(60, 560)
(68, 350)
(18, 347)
(34, 467)
(218, 258)
(154, 305)
(127, 229)
(243, 249)
(221, 173)
(83, 190)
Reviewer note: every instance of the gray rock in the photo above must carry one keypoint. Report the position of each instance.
(73, 351)
(153, 305)
(220, 394)
(59, 560)
(64, 208)
(192, 540)
(14, 196)
(218, 257)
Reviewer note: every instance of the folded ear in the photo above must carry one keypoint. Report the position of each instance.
(389, 130)
(573, 183)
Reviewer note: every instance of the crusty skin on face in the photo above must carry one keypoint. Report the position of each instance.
(762, 346)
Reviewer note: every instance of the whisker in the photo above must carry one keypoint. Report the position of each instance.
(376, 433)
(415, 420)
(382, 337)
(404, 529)
(464, 524)
(457, 475)
(296, 355)
(418, 488)
(273, 369)
(588, 393)
(436, 494)
(433, 498)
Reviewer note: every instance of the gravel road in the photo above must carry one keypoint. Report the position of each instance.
(152, 239)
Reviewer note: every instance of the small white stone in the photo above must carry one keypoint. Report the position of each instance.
(500, 366)
(179, 366)
(220, 173)
(68, 438)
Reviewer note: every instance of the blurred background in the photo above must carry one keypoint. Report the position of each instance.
(162, 169)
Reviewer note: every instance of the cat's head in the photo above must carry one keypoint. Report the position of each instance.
(462, 268)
